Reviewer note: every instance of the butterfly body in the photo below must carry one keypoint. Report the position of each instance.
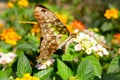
(53, 32)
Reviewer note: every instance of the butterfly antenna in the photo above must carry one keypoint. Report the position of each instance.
(27, 22)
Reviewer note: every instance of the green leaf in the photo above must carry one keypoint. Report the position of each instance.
(5, 46)
(63, 70)
(32, 44)
(69, 57)
(23, 66)
(70, 54)
(6, 72)
(44, 74)
(96, 65)
(3, 74)
(24, 46)
(114, 66)
(33, 41)
(85, 70)
(106, 26)
(4, 78)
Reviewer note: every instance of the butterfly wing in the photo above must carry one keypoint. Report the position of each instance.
(52, 30)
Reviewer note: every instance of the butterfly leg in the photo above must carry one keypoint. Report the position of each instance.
(66, 43)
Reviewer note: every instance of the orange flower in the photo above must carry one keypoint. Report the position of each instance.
(10, 36)
(111, 13)
(10, 5)
(35, 29)
(23, 3)
(117, 37)
(78, 25)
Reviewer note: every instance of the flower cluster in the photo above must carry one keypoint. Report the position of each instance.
(23, 3)
(111, 13)
(70, 29)
(6, 58)
(35, 29)
(10, 4)
(20, 3)
(1, 25)
(45, 64)
(27, 77)
(62, 18)
(117, 36)
(116, 39)
(78, 25)
(97, 37)
(89, 44)
(10, 36)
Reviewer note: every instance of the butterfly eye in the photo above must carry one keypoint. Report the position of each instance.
(43, 10)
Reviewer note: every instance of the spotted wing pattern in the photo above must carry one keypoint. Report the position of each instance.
(53, 32)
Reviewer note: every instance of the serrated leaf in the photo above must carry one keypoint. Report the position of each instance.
(63, 70)
(24, 46)
(33, 41)
(114, 66)
(106, 26)
(85, 70)
(96, 65)
(44, 74)
(3, 45)
(23, 66)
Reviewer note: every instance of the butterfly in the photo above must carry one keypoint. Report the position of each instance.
(53, 33)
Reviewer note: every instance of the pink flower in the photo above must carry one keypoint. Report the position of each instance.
(6, 58)
(45, 64)
(78, 47)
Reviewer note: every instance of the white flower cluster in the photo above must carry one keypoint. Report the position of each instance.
(95, 36)
(6, 58)
(45, 64)
(88, 41)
